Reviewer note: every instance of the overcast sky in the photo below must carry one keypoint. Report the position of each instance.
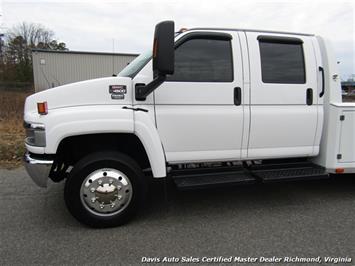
(92, 25)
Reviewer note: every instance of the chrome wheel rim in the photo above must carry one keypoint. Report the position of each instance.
(106, 192)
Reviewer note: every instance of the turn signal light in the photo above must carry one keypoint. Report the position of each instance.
(42, 108)
(339, 170)
(155, 48)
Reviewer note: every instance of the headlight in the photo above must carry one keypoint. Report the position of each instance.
(35, 134)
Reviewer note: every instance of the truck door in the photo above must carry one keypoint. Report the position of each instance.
(199, 109)
(284, 96)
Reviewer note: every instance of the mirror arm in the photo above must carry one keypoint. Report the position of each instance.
(142, 90)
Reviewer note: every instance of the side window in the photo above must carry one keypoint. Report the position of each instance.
(203, 60)
(282, 61)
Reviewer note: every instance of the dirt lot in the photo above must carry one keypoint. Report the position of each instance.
(11, 129)
(349, 98)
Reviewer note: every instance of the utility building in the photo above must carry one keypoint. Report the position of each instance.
(55, 68)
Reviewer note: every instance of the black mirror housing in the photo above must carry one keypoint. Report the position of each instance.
(163, 49)
(163, 58)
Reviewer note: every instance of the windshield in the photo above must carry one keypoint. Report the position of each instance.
(136, 65)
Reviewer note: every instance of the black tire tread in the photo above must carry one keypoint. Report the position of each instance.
(91, 162)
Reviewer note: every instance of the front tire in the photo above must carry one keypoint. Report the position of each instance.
(105, 189)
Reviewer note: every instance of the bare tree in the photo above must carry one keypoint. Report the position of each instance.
(32, 33)
(20, 40)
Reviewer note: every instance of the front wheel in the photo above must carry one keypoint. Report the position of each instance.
(105, 189)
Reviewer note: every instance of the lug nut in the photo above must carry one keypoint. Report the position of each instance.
(119, 187)
(93, 200)
(101, 206)
(119, 197)
(100, 182)
(111, 181)
(92, 189)
(112, 205)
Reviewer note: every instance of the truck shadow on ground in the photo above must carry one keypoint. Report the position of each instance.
(224, 202)
(234, 199)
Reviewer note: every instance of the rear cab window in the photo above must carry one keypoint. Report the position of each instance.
(282, 60)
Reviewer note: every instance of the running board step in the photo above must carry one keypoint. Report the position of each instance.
(206, 180)
(288, 172)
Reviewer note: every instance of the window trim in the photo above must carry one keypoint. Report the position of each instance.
(279, 39)
(210, 36)
(282, 40)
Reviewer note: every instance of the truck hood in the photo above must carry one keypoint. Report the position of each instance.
(89, 92)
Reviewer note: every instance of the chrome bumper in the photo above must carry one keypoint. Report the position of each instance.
(37, 169)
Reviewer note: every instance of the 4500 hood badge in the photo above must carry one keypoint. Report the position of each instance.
(117, 91)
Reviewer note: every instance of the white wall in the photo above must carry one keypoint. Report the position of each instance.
(52, 69)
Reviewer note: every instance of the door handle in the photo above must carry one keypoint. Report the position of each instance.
(321, 69)
(237, 96)
(309, 96)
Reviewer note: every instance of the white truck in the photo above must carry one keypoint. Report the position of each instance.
(207, 107)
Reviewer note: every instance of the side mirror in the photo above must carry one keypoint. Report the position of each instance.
(163, 49)
(163, 58)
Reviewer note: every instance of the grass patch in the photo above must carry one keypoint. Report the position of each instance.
(12, 133)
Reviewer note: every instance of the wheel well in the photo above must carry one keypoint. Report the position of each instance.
(72, 149)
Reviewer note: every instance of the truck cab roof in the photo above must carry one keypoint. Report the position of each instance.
(250, 30)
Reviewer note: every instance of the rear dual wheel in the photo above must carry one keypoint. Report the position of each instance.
(105, 189)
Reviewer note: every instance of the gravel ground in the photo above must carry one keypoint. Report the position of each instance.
(304, 219)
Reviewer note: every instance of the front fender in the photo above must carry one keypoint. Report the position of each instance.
(146, 131)
(82, 120)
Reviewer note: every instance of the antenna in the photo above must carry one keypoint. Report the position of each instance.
(113, 57)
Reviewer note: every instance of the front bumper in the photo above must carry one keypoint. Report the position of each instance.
(38, 169)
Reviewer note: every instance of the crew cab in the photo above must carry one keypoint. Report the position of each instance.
(207, 107)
